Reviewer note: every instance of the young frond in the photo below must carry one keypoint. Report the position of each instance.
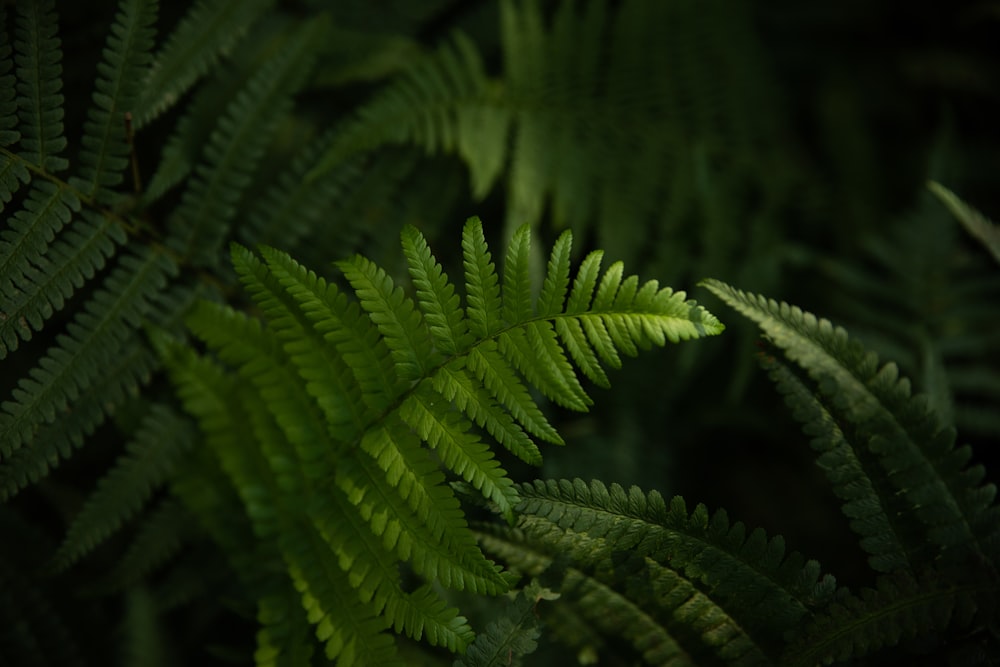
(915, 451)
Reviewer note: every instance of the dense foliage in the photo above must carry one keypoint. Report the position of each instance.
(238, 424)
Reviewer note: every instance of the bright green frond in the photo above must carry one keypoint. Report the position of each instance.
(556, 285)
(395, 315)
(436, 295)
(916, 452)
(517, 301)
(127, 54)
(210, 29)
(38, 54)
(482, 287)
(460, 451)
(160, 440)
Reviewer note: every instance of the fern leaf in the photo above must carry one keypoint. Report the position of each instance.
(396, 316)
(165, 529)
(208, 204)
(210, 29)
(460, 451)
(436, 295)
(121, 378)
(283, 638)
(50, 280)
(516, 298)
(987, 232)
(9, 134)
(902, 607)
(512, 635)
(93, 337)
(742, 574)
(160, 440)
(105, 146)
(38, 56)
(484, 308)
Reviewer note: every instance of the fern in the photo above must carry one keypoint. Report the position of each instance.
(339, 396)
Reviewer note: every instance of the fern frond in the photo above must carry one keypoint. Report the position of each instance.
(987, 232)
(916, 452)
(70, 368)
(9, 134)
(512, 635)
(165, 529)
(209, 30)
(209, 202)
(38, 53)
(105, 147)
(159, 441)
(902, 607)
(340, 397)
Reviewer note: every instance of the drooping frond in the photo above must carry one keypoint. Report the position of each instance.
(915, 452)
(160, 440)
(206, 32)
(682, 584)
(353, 407)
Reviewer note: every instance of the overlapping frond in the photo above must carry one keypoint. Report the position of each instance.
(682, 583)
(208, 31)
(354, 406)
(915, 452)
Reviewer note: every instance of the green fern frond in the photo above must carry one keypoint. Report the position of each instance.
(165, 530)
(105, 144)
(340, 396)
(209, 30)
(742, 574)
(235, 147)
(916, 453)
(901, 608)
(512, 635)
(69, 369)
(162, 437)
(987, 232)
(38, 54)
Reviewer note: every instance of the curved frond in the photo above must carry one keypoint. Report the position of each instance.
(986, 231)
(915, 451)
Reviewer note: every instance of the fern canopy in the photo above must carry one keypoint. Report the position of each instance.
(355, 406)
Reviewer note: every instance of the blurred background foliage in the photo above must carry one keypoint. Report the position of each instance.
(783, 147)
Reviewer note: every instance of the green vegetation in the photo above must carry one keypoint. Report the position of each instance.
(238, 425)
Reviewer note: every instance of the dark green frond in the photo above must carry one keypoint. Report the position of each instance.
(901, 608)
(916, 452)
(163, 532)
(38, 54)
(209, 30)
(512, 635)
(160, 440)
(986, 231)
(105, 144)
(94, 337)
(235, 147)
